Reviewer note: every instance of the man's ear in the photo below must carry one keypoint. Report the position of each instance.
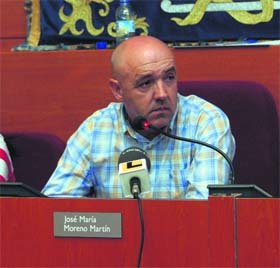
(116, 89)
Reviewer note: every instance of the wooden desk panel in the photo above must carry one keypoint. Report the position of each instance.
(221, 232)
(176, 234)
(258, 232)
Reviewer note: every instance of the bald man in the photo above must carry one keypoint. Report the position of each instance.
(144, 82)
(144, 79)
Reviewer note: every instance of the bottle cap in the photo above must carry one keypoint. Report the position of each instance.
(101, 45)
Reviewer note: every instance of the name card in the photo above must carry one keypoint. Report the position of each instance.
(77, 224)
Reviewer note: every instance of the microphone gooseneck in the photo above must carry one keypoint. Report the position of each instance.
(141, 123)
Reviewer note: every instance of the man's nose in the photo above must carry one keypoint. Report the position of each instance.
(160, 90)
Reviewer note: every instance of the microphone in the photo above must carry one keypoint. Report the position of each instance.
(141, 123)
(134, 166)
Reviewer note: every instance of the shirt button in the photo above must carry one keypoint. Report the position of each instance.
(148, 147)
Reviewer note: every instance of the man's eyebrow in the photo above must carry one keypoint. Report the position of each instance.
(143, 77)
(148, 75)
(140, 78)
(172, 69)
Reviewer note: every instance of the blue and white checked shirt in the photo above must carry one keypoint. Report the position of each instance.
(179, 170)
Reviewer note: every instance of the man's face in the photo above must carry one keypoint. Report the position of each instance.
(149, 89)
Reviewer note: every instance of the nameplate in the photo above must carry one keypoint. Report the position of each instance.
(77, 224)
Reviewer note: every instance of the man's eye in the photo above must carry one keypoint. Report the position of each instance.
(170, 76)
(145, 84)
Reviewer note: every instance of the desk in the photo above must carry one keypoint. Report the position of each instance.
(221, 231)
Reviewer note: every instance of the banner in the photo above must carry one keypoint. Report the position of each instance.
(71, 22)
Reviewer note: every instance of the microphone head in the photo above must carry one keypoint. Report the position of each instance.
(140, 123)
(134, 166)
(134, 153)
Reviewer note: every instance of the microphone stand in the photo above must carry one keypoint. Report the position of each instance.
(135, 187)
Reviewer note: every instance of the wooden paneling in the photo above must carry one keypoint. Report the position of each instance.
(170, 234)
(220, 232)
(12, 19)
(255, 220)
(52, 91)
(222, 244)
(55, 91)
(29, 228)
(260, 64)
(10, 43)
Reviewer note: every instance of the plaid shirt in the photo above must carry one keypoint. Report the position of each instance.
(179, 170)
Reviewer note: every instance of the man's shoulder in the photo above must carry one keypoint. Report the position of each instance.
(111, 111)
(105, 118)
(198, 104)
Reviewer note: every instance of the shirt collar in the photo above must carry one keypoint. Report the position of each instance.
(172, 124)
(128, 130)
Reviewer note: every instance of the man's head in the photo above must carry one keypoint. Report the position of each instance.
(144, 79)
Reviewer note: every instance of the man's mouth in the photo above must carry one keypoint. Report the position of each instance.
(160, 109)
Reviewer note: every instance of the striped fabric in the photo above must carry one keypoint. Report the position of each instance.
(179, 170)
(6, 166)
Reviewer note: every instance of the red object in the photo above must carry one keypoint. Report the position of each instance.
(146, 125)
(221, 232)
(5, 158)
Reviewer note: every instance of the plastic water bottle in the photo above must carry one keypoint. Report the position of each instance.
(124, 21)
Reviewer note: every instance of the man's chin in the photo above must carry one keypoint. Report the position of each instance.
(160, 119)
(160, 123)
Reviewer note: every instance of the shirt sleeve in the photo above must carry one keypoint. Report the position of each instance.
(207, 165)
(70, 178)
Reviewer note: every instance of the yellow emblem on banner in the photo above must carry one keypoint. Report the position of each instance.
(200, 7)
(81, 10)
(35, 31)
